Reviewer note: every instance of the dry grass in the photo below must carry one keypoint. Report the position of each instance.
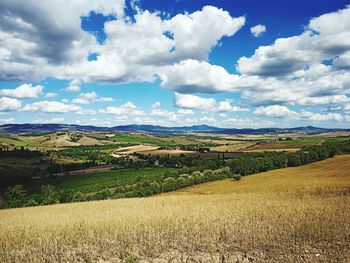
(85, 140)
(137, 148)
(332, 173)
(238, 146)
(288, 215)
(148, 149)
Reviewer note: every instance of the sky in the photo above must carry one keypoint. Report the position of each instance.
(234, 64)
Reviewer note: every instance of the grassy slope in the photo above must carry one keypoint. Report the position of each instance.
(287, 215)
(334, 172)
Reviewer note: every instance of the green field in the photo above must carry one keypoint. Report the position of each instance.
(141, 139)
(154, 140)
(303, 141)
(93, 182)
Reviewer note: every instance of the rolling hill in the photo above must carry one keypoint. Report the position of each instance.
(289, 215)
(44, 128)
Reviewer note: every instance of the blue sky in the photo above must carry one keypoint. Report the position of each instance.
(176, 62)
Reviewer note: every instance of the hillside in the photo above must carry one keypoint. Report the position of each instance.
(329, 174)
(45, 128)
(289, 215)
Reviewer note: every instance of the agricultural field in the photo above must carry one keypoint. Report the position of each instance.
(223, 221)
(90, 182)
(151, 139)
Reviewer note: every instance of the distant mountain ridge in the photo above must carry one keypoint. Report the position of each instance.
(43, 128)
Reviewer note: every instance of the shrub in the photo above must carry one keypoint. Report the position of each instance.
(169, 184)
(236, 177)
(49, 195)
(79, 197)
(15, 196)
(208, 174)
(31, 202)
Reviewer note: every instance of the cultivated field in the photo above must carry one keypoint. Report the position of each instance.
(148, 149)
(288, 215)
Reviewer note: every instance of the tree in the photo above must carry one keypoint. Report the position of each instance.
(48, 194)
(15, 196)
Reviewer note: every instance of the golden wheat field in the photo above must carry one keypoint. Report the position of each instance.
(289, 215)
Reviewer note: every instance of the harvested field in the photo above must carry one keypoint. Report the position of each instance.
(232, 147)
(288, 215)
(137, 148)
(85, 140)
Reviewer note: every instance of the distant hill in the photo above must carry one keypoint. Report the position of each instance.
(44, 128)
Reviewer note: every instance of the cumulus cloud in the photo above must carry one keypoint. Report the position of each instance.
(128, 109)
(191, 76)
(185, 112)
(157, 111)
(276, 111)
(189, 101)
(52, 120)
(225, 106)
(258, 30)
(50, 95)
(7, 120)
(24, 91)
(194, 102)
(322, 40)
(55, 45)
(9, 104)
(29, 43)
(86, 98)
(284, 112)
(74, 86)
(51, 107)
(237, 122)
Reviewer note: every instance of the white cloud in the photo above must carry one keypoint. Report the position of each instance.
(190, 76)
(86, 112)
(284, 112)
(24, 91)
(86, 98)
(276, 111)
(133, 50)
(189, 101)
(225, 106)
(203, 30)
(157, 111)
(323, 39)
(50, 95)
(74, 86)
(329, 117)
(9, 104)
(237, 122)
(30, 43)
(51, 107)
(194, 102)
(185, 112)
(128, 109)
(7, 120)
(46, 121)
(258, 30)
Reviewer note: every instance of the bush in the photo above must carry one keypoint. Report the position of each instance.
(236, 177)
(79, 197)
(31, 202)
(49, 195)
(208, 174)
(15, 196)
